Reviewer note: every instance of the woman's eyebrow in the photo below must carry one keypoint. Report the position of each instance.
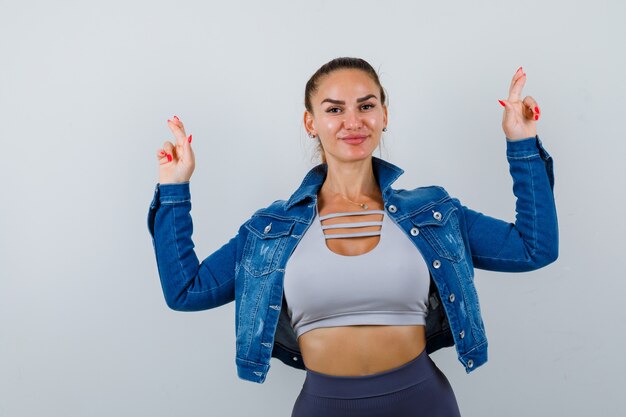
(358, 100)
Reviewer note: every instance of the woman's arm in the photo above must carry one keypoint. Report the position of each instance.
(187, 284)
(533, 240)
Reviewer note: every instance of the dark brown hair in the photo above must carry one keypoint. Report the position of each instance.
(334, 65)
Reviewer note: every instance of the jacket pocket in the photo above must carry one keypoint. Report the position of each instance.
(439, 226)
(264, 246)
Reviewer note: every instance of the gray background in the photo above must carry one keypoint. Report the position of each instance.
(85, 91)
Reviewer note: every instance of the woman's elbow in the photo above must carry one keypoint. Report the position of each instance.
(176, 302)
(532, 261)
(549, 255)
(552, 255)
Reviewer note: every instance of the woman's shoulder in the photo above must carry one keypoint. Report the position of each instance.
(423, 199)
(276, 210)
(423, 193)
(273, 220)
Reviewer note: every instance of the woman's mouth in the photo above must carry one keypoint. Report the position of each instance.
(354, 139)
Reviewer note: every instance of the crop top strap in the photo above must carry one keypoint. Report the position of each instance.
(351, 225)
(354, 234)
(354, 224)
(348, 213)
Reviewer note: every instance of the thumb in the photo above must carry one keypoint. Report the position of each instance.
(509, 113)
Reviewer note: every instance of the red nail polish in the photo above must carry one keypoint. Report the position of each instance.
(161, 152)
(169, 158)
(536, 117)
(168, 120)
(189, 138)
(176, 117)
(518, 69)
(502, 102)
(537, 109)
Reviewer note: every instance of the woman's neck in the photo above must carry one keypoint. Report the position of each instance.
(353, 180)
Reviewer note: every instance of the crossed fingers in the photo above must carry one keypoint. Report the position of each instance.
(530, 107)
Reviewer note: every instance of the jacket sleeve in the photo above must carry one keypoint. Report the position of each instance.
(187, 284)
(533, 240)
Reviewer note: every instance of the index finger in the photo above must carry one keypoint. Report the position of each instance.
(515, 90)
(178, 129)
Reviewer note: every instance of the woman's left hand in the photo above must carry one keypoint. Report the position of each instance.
(520, 117)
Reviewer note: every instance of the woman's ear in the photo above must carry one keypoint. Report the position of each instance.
(309, 124)
(385, 118)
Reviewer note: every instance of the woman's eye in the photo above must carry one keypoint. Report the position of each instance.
(330, 110)
(367, 106)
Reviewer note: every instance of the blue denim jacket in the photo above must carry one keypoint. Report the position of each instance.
(452, 238)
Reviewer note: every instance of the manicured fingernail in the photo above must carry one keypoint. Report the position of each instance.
(189, 138)
(536, 117)
(537, 109)
(502, 102)
(518, 70)
(168, 120)
(162, 152)
(176, 117)
(169, 158)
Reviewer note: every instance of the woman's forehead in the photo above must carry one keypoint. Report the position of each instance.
(349, 83)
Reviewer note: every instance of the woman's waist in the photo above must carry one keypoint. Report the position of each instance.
(358, 350)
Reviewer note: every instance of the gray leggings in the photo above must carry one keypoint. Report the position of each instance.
(416, 389)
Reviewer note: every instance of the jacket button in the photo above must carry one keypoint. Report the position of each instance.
(437, 215)
(392, 208)
(436, 263)
(470, 363)
(415, 231)
(462, 334)
(268, 228)
(451, 298)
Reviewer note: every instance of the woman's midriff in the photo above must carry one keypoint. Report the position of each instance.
(360, 350)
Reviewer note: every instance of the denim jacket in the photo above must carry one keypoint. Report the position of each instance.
(452, 238)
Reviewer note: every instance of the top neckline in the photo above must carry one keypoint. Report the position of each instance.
(321, 236)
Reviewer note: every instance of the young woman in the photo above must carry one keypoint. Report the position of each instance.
(350, 279)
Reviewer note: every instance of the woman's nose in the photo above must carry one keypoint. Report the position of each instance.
(352, 120)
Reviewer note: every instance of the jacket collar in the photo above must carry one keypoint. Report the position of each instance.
(385, 172)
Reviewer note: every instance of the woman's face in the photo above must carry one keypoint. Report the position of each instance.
(348, 115)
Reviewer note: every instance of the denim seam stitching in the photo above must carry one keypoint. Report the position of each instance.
(251, 362)
(172, 203)
(499, 258)
(263, 213)
(425, 207)
(532, 187)
(246, 249)
(475, 347)
(210, 289)
(532, 156)
(176, 244)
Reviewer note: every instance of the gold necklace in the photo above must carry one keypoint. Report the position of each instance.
(363, 205)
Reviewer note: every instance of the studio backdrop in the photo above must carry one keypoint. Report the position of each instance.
(86, 89)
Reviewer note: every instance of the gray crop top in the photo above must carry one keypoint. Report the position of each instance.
(386, 286)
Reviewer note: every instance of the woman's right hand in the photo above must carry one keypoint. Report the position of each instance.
(176, 163)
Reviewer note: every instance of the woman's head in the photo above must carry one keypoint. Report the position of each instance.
(344, 99)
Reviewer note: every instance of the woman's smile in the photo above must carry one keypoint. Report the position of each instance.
(354, 139)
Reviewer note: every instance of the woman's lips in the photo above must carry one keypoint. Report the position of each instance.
(354, 140)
